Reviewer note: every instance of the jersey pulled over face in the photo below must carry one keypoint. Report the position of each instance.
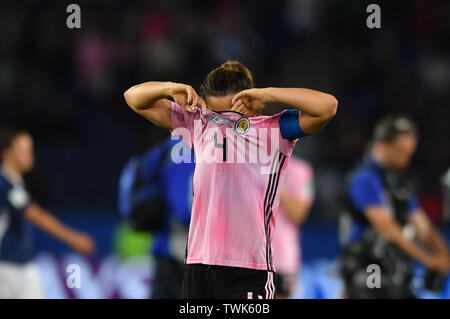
(240, 164)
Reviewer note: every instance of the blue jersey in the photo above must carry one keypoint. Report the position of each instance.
(16, 243)
(366, 188)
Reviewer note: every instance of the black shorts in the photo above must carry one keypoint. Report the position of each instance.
(222, 282)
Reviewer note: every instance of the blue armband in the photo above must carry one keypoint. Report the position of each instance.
(289, 127)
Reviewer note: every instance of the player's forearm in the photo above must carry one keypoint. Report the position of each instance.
(311, 102)
(48, 223)
(144, 95)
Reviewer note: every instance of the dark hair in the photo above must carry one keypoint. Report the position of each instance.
(7, 136)
(230, 77)
(390, 127)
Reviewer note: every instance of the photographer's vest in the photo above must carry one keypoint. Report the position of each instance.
(397, 192)
(371, 247)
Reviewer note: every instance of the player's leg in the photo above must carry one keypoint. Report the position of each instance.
(31, 287)
(196, 283)
(10, 278)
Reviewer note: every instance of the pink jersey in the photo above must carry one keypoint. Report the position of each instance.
(286, 237)
(240, 164)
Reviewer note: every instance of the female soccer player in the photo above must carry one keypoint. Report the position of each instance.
(19, 274)
(236, 192)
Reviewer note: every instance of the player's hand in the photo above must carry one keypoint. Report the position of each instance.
(440, 263)
(249, 102)
(82, 243)
(185, 96)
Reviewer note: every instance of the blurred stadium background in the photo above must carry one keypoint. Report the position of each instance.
(65, 86)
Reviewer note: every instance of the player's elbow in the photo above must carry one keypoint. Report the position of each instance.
(129, 96)
(331, 107)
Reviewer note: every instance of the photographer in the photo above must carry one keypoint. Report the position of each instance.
(155, 196)
(384, 221)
